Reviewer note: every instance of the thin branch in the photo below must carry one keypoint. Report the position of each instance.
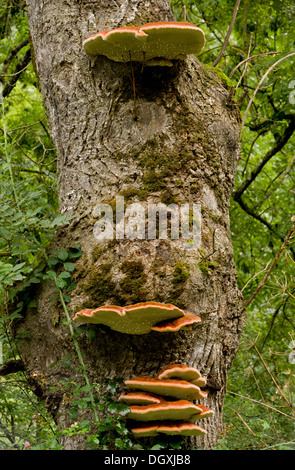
(260, 83)
(274, 380)
(225, 44)
(271, 153)
(248, 427)
(251, 58)
(12, 54)
(8, 435)
(257, 217)
(9, 85)
(277, 257)
(263, 404)
(253, 277)
(15, 73)
(246, 63)
(262, 397)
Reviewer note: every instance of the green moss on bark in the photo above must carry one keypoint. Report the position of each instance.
(99, 286)
(132, 288)
(180, 276)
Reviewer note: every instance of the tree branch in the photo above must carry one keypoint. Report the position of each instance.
(251, 58)
(260, 83)
(11, 367)
(9, 85)
(276, 259)
(257, 217)
(12, 54)
(280, 144)
(217, 60)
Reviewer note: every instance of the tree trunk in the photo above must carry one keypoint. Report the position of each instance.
(182, 146)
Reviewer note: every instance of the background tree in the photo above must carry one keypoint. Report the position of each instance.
(259, 197)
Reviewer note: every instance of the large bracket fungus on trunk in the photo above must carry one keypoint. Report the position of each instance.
(139, 318)
(151, 44)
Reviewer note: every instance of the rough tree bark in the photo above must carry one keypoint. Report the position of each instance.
(183, 146)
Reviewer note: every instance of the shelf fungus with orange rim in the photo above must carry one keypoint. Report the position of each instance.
(139, 318)
(180, 389)
(141, 398)
(184, 372)
(179, 428)
(151, 44)
(169, 410)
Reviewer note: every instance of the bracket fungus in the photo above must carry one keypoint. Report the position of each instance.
(167, 387)
(169, 410)
(174, 416)
(141, 398)
(205, 413)
(151, 44)
(183, 323)
(181, 428)
(134, 319)
(181, 371)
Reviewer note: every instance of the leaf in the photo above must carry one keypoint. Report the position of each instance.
(64, 275)
(69, 267)
(157, 447)
(60, 219)
(62, 254)
(73, 414)
(111, 387)
(123, 409)
(53, 260)
(113, 407)
(50, 275)
(60, 283)
(90, 333)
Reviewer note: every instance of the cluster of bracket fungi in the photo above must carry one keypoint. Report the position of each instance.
(178, 383)
(161, 405)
